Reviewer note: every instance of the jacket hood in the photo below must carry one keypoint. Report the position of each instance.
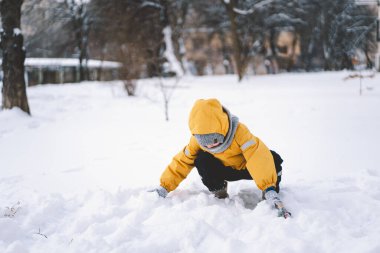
(207, 116)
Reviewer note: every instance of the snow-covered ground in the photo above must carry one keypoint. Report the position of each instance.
(78, 170)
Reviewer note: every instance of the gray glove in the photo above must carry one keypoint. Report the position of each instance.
(274, 200)
(161, 191)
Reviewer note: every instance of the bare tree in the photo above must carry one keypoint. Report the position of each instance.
(14, 90)
(131, 33)
(79, 17)
(244, 30)
(130, 57)
(167, 91)
(47, 29)
(240, 58)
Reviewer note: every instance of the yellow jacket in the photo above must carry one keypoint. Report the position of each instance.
(245, 152)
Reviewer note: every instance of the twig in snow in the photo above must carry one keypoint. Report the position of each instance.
(11, 211)
(167, 92)
(39, 233)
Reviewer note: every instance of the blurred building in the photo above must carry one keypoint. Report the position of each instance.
(209, 53)
(66, 70)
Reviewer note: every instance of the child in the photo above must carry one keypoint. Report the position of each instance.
(223, 149)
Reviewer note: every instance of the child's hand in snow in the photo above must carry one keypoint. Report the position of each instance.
(161, 191)
(274, 200)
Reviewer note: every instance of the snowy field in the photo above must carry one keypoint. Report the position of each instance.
(77, 173)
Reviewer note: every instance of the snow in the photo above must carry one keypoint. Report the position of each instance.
(75, 2)
(77, 172)
(17, 31)
(244, 12)
(69, 62)
(366, 2)
(174, 64)
(150, 4)
(251, 10)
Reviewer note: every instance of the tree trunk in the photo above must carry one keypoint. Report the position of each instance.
(369, 62)
(236, 42)
(292, 60)
(79, 37)
(84, 27)
(81, 25)
(346, 63)
(14, 90)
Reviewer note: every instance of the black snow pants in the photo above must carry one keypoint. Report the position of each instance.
(213, 173)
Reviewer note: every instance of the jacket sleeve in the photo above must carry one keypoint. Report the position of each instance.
(180, 166)
(260, 163)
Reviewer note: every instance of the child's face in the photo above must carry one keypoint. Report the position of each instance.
(213, 145)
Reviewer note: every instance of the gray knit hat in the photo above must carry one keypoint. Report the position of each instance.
(208, 139)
